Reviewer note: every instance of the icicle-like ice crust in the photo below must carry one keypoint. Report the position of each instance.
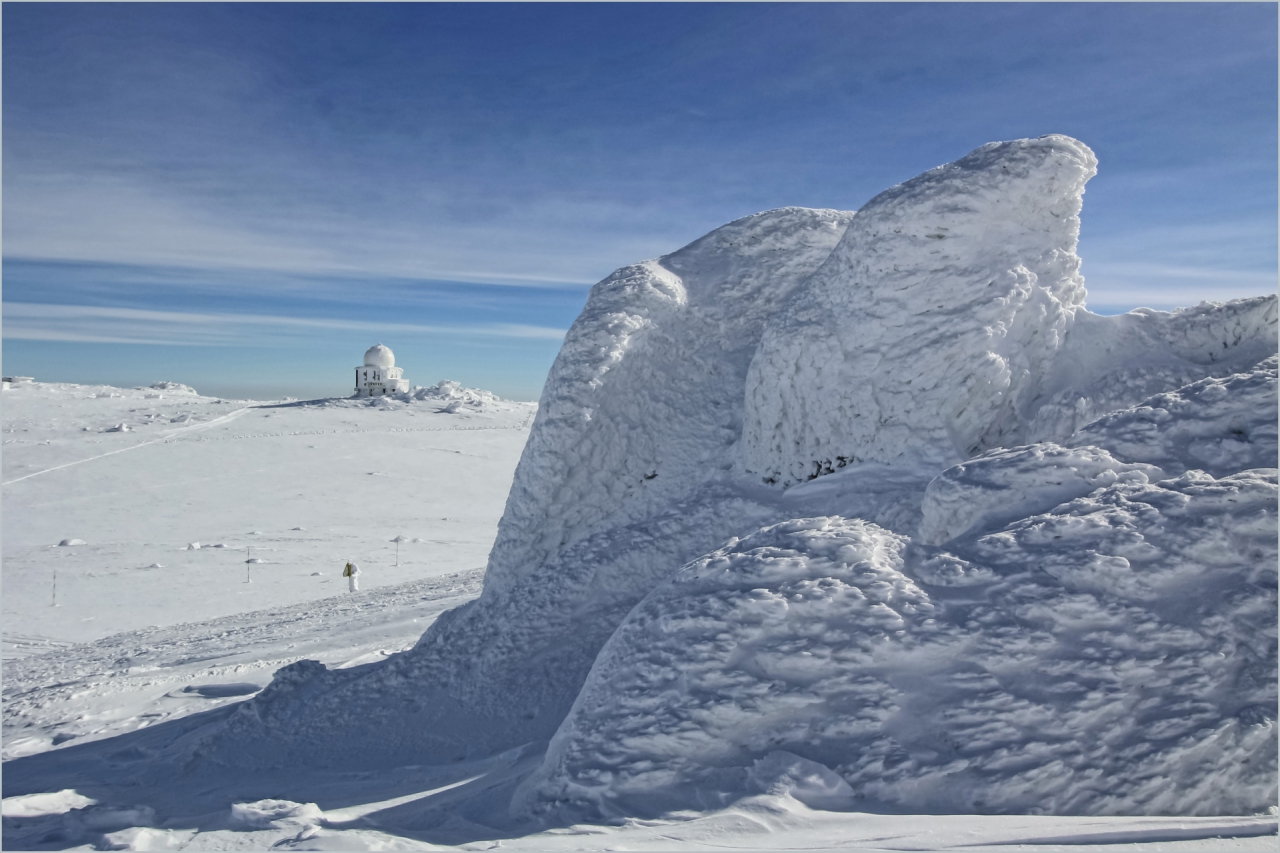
(938, 335)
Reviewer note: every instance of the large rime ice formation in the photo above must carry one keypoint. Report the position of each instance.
(1113, 655)
(911, 647)
(622, 480)
(950, 320)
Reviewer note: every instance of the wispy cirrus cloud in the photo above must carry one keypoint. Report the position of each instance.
(82, 216)
(94, 324)
(1168, 286)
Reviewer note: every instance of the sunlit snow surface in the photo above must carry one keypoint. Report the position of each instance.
(828, 527)
(167, 510)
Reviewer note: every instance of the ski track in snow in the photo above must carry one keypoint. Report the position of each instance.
(219, 421)
(164, 437)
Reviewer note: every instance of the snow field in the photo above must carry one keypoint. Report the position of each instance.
(305, 486)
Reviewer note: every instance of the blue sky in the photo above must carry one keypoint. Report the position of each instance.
(243, 197)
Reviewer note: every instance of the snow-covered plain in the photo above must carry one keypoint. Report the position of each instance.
(832, 531)
(305, 485)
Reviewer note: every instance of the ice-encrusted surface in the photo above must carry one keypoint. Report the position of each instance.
(644, 401)
(742, 653)
(1114, 656)
(1007, 484)
(1112, 363)
(693, 388)
(1219, 424)
(926, 333)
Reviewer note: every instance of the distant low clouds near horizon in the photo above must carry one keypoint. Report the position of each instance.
(444, 167)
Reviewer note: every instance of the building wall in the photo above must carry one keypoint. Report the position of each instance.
(378, 381)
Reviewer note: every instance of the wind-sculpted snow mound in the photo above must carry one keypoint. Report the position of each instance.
(644, 401)
(949, 320)
(1117, 655)
(453, 393)
(1004, 485)
(942, 322)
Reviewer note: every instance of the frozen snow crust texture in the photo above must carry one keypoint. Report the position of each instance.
(1114, 656)
(1035, 569)
(969, 265)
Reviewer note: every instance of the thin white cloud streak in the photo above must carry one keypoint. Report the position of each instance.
(92, 324)
(114, 219)
(124, 219)
(1162, 286)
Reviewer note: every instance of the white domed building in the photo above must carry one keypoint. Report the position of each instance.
(379, 374)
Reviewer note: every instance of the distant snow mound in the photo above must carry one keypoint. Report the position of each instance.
(454, 397)
(447, 397)
(173, 388)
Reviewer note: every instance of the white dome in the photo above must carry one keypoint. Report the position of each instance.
(379, 356)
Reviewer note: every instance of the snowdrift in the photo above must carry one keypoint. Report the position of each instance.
(1017, 581)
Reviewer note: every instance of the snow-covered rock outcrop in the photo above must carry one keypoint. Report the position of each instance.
(644, 401)
(941, 326)
(1114, 655)
(623, 479)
